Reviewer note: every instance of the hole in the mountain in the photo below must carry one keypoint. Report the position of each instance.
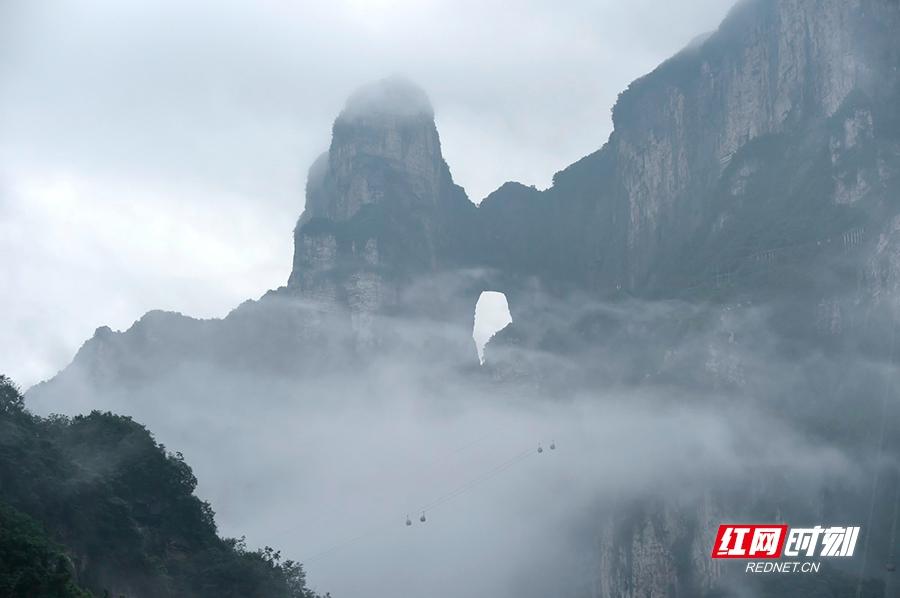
(491, 316)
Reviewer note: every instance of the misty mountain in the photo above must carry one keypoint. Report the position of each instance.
(733, 246)
(768, 146)
(776, 130)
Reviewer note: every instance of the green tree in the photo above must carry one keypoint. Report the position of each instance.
(31, 566)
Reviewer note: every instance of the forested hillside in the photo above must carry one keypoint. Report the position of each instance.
(94, 506)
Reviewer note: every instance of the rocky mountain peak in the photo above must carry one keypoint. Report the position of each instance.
(381, 206)
(384, 149)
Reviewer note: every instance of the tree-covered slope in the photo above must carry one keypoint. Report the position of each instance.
(94, 505)
(30, 563)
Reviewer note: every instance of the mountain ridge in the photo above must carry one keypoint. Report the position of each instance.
(643, 214)
(740, 223)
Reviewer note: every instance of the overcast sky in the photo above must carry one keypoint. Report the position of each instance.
(153, 153)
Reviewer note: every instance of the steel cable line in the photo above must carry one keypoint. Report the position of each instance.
(335, 547)
(740, 270)
(441, 500)
(477, 480)
(376, 529)
(453, 452)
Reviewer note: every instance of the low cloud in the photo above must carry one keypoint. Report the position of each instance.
(327, 467)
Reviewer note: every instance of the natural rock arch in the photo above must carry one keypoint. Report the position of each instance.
(491, 316)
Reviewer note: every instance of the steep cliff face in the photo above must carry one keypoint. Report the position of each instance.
(385, 150)
(658, 550)
(772, 69)
(776, 110)
(381, 206)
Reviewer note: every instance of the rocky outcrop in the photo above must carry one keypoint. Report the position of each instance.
(657, 550)
(773, 133)
(381, 206)
(385, 150)
(741, 116)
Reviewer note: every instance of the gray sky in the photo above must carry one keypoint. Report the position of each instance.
(153, 153)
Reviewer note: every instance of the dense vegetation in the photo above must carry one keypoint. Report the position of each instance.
(93, 505)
